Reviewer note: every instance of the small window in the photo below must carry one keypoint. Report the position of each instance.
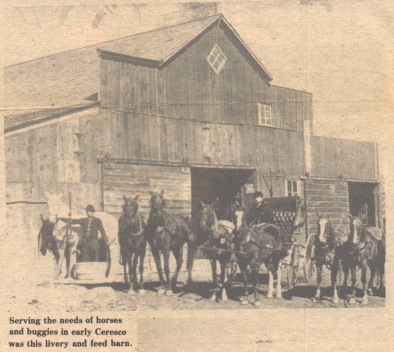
(292, 188)
(265, 114)
(216, 59)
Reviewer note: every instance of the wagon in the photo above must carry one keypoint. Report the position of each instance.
(288, 216)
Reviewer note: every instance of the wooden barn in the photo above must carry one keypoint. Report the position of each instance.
(187, 109)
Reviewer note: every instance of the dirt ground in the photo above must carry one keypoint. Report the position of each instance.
(112, 295)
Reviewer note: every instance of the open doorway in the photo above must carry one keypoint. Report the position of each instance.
(363, 201)
(223, 184)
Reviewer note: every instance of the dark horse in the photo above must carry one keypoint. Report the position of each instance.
(256, 245)
(364, 249)
(132, 242)
(328, 251)
(218, 241)
(167, 233)
(61, 241)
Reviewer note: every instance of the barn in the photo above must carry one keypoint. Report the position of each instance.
(188, 109)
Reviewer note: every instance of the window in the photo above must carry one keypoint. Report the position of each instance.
(292, 188)
(216, 59)
(265, 114)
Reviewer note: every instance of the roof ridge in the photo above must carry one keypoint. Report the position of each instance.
(111, 40)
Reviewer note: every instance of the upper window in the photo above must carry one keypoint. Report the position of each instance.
(265, 114)
(216, 59)
(292, 188)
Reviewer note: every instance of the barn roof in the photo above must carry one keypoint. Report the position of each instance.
(71, 78)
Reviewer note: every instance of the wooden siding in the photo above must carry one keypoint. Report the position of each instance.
(132, 180)
(57, 158)
(355, 160)
(142, 137)
(187, 88)
(330, 198)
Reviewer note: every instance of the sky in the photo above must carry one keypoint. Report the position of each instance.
(340, 51)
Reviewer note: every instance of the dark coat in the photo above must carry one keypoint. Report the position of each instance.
(260, 213)
(90, 227)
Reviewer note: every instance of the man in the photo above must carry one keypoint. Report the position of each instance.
(90, 227)
(259, 212)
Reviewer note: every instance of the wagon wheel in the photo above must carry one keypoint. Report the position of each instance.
(292, 268)
(309, 265)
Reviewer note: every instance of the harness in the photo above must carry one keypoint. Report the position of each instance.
(141, 228)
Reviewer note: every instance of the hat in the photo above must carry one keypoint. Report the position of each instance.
(258, 194)
(90, 208)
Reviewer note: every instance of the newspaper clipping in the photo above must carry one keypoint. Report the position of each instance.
(207, 176)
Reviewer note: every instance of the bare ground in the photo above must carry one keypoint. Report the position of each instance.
(113, 295)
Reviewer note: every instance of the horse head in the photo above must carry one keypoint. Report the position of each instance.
(130, 206)
(299, 216)
(324, 229)
(356, 230)
(238, 219)
(206, 217)
(45, 236)
(157, 201)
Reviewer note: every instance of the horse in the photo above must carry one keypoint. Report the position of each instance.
(132, 241)
(167, 233)
(218, 241)
(256, 245)
(328, 251)
(365, 248)
(61, 241)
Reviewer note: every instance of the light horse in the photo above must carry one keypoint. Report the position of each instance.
(328, 251)
(61, 241)
(217, 238)
(364, 249)
(167, 233)
(132, 242)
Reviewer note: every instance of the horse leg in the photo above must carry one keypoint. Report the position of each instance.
(214, 278)
(364, 282)
(245, 298)
(345, 278)
(371, 279)
(141, 270)
(353, 272)
(156, 257)
(178, 255)
(191, 251)
(255, 275)
(124, 263)
(130, 265)
(166, 257)
(380, 270)
(59, 263)
(334, 274)
(135, 264)
(223, 264)
(67, 256)
(319, 270)
(279, 282)
(270, 283)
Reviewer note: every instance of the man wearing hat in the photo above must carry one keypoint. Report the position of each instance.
(259, 212)
(90, 227)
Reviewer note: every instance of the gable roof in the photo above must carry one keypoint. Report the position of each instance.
(71, 78)
(162, 45)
